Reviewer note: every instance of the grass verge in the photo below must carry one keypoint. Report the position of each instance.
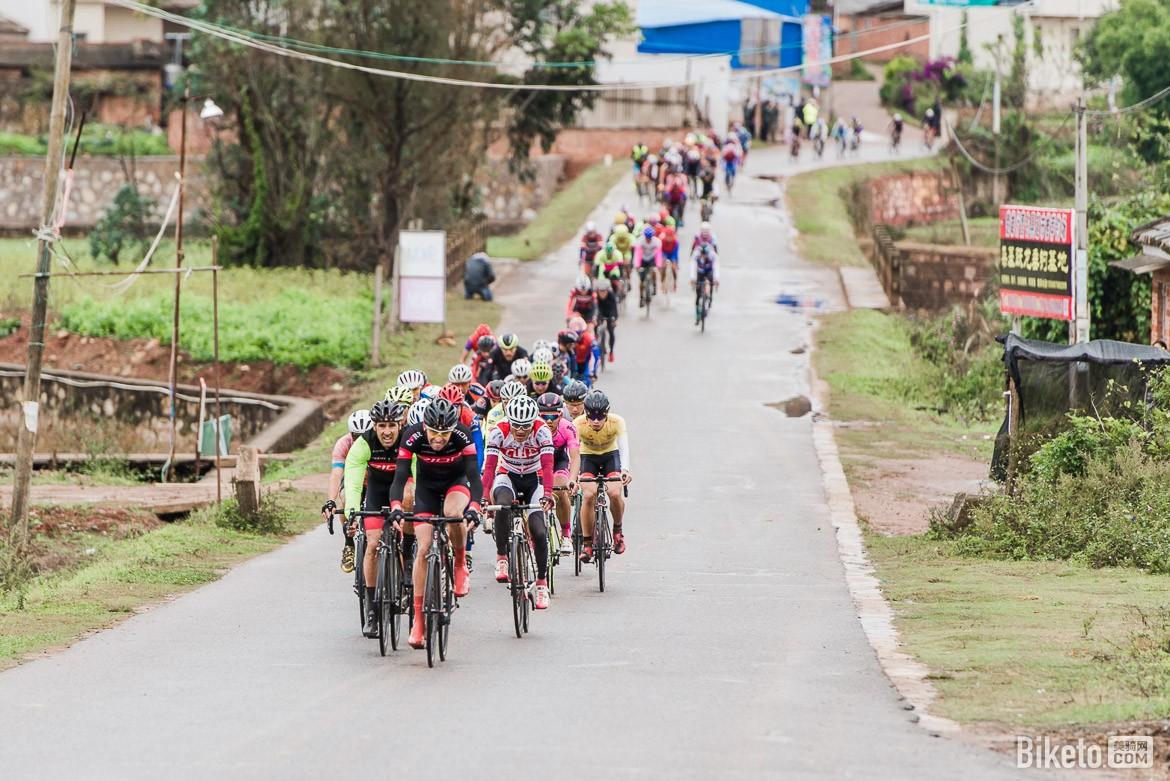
(1021, 643)
(562, 218)
(120, 576)
(817, 201)
(984, 232)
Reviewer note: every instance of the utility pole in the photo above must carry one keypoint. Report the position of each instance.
(1081, 280)
(174, 364)
(996, 94)
(30, 404)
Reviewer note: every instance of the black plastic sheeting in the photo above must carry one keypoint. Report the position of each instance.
(1107, 374)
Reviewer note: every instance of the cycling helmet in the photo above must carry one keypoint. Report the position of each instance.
(485, 344)
(590, 226)
(705, 227)
(474, 393)
(897, 117)
(541, 344)
(511, 390)
(584, 283)
(401, 394)
(567, 336)
(577, 324)
(429, 391)
(451, 393)
(412, 378)
(522, 411)
(549, 403)
(603, 285)
(541, 372)
(576, 391)
(543, 355)
(648, 232)
(417, 410)
(460, 372)
(441, 415)
(360, 422)
(493, 389)
(619, 219)
(621, 227)
(509, 342)
(521, 367)
(596, 402)
(385, 411)
(669, 222)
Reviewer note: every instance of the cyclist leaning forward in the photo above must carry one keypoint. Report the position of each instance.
(605, 451)
(372, 461)
(446, 483)
(519, 467)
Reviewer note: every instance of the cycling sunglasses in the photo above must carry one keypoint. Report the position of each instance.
(439, 432)
(596, 415)
(551, 417)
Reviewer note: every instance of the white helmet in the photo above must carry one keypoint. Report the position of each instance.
(603, 285)
(543, 355)
(460, 372)
(705, 227)
(429, 391)
(590, 226)
(359, 421)
(415, 415)
(584, 283)
(521, 367)
(412, 378)
(540, 344)
(522, 411)
(512, 390)
(898, 117)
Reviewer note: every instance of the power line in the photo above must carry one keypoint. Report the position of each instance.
(1130, 109)
(1004, 169)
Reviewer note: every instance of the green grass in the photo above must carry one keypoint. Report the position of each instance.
(817, 201)
(124, 575)
(95, 140)
(413, 348)
(563, 217)
(876, 379)
(1007, 641)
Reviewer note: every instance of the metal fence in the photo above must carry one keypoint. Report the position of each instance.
(463, 240)
(666, 107)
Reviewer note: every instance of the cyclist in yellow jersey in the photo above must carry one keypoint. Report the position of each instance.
(605, 451)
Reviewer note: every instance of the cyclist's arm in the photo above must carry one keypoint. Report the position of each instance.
(477, 438)
(355, 472)
(490, 464)
(401, 472)
(623, 446)
(471, 470)
(573, 445)
(569, 311)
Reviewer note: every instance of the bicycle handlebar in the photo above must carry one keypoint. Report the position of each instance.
(599, 480)
(495, 508)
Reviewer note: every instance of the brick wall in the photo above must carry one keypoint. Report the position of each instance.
(907, 199)
(582, 147)
(862, 32)
(930, 276)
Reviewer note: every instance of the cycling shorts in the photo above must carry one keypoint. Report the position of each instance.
(377, 496)
(604, 465)
(429, 496)
(561, 460)
(671, 255)
(526, 488)
(587, 314)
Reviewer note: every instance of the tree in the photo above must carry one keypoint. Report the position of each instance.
(1133, 42)
(965, 56)
(1016, 89)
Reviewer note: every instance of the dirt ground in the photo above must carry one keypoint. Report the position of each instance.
(61, 536)
(148, 359)
(895, 496)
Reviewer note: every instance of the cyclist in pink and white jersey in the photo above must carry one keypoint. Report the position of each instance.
(518, 465)
(566, 460)
(359, 423)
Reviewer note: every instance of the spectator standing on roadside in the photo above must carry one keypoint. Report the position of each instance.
(478, 277)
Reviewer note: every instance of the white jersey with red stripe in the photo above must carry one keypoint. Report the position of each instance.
(519, 458)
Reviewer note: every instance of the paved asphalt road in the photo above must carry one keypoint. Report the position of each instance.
(726, 646)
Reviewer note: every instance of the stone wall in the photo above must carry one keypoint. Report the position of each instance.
(505, 198)
(273, 423)
(909, 199)
(96, 180)
(930, 277)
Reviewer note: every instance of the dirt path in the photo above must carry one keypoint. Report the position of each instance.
(897, 495)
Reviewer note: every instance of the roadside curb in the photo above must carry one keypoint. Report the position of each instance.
(907, 674)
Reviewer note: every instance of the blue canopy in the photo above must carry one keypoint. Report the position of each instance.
(715, 26)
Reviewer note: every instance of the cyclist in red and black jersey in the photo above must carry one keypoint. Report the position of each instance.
(582, 300)
(591, 244)
(446, 483)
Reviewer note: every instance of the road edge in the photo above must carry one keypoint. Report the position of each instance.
(908, 675)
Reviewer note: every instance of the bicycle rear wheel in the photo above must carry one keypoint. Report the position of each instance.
(601, 544)
(431, 606)
(516, 584)
(448, 607)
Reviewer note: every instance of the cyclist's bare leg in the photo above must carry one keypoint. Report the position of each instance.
(617, 505)
(563, 503)
(370, 560)
(588, 497)
(453, 507)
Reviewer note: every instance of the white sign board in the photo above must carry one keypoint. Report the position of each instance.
(422, 276)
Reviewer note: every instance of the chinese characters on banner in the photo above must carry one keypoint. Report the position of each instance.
(1036, 258)
(818, 50)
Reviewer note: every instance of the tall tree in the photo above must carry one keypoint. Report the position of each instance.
(1134, 43)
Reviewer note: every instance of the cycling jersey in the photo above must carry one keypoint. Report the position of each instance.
(452, 468)
(371, 465)
(494, 417)
(564, 439)
(669, 239)
(704, 264)
(622, 240)
(699, 241)
(648, 253)
(612, 437)
(607, 307)
(340, 450)
(591, 244)
(501, 365)
(582, 303)
(532, 456)
(481, 330)
(608, 265)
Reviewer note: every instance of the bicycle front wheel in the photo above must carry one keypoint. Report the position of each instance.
(382, 600)
(601, 545)
(516, 584)
(448, 608)
(395, 585)
(431, 606)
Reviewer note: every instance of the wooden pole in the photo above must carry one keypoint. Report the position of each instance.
(31, 394)
(376, 340)
(215, 349)
(394, 283)
(174, 366)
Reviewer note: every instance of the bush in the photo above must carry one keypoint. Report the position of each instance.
(273, 517)
(299, 327)
(858, 72)
(123, 225)
(961, 346)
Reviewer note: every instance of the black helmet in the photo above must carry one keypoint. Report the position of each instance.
(441, 415)
(575, 391)
(596, 402)
(493, 389)
(385, 410)
(485, 343)
(549, 402)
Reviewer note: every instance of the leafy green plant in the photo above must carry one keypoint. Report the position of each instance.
(123, 226)
(304, 328)
(1141, 660)
(272, 517)
(1086, 438)
(961, 346)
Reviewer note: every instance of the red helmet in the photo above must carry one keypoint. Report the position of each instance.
(451, 393)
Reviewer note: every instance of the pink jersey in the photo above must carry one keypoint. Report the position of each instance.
(566, 435)
(341, 450)
(643, 248)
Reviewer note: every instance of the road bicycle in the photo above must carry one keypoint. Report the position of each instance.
(439, 600)
(647, 286)
(392, 589)
(602, 529)
(707, 208)
(359, 571)
(521, 562)
(602, 342)
(575, 528)
(703, 305)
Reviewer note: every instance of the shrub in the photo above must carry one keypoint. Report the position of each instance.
(961, 346)
(273, 517)
(123, 225)
(1069, 452)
